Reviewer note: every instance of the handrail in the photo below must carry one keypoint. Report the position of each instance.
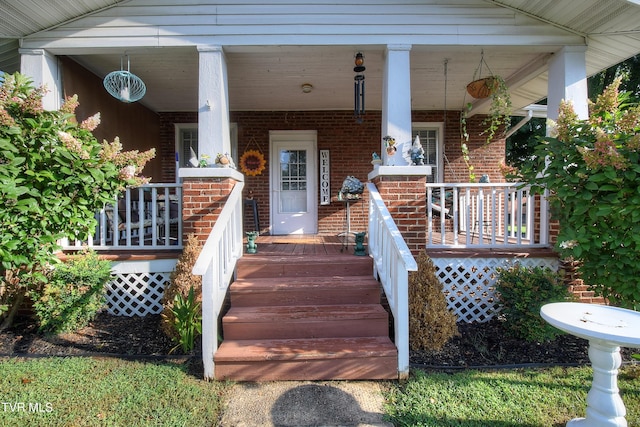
(216, 264)
(484, 215)
(392, 261)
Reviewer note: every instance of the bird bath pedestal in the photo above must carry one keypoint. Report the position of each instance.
(606, 328)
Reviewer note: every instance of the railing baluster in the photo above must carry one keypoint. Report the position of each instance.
(486, 215)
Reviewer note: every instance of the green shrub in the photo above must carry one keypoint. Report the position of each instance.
(522, 291)
(431, 324)
(73, 295)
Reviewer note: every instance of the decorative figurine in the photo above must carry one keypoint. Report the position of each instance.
(359, 249)
(376, 160)
(417, 152)
(252, 247)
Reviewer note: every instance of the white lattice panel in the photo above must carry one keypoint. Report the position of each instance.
(469, 283)
(138, 287)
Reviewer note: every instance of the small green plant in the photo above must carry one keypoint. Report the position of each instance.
(522, 291)
(187, 320)
(73, 295)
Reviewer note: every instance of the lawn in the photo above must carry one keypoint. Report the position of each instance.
(78, 391)
(505, 398)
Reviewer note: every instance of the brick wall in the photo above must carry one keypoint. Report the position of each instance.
(202, 202)
(350, 145)
(404, 198)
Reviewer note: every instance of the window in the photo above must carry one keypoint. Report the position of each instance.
(430, 138)
(186, 141)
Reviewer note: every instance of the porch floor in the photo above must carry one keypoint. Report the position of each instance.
(304, 244)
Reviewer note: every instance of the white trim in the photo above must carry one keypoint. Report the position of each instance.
(210, 173)
(400, 171)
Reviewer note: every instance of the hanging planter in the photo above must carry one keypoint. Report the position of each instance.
(483, 88)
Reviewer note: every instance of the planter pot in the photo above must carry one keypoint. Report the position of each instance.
(482, 88)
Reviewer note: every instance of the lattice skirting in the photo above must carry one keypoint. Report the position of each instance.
(469, 283)
(138, 287)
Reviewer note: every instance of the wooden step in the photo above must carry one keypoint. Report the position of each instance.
(309, 321)
(356, 358)
(305, 291)
(254, 266)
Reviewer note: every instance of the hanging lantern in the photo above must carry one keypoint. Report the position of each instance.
(358, 87)
(124, 85)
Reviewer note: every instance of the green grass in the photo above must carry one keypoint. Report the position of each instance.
(514, 398)
(105, 392)
(79, 391)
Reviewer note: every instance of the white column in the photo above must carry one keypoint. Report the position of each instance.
(396, 101)
(568, 81)
(42, 68)
(213, 102)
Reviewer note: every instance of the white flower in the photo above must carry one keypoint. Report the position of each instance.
(552, 128)
(128, 172)
(568, 244)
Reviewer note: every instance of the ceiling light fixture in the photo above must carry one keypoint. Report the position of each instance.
(307, 87)
(123, 85)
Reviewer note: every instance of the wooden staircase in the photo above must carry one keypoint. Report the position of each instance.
(307, 317)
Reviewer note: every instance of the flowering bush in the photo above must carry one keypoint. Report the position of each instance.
(592, 169)
(54, 175)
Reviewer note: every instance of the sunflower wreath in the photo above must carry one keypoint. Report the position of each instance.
(252, 163)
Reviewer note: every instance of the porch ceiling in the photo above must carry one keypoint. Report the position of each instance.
(270, 78)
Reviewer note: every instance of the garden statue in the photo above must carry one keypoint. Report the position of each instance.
(252, 247)
(417, 152)
(376, 160)
(359, 249)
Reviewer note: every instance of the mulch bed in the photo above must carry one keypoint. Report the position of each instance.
(479, 345)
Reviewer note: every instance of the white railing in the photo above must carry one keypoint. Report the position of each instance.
(216, 265)
(146, 217)
(483, 215)
(392, 261)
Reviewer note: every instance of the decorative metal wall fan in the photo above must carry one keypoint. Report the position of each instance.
(124, 85)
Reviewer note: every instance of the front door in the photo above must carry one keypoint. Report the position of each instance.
(293, 183)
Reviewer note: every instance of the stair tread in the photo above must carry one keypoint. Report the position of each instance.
(306, 259)
(310, 281)
(304, 312)
(305, 349)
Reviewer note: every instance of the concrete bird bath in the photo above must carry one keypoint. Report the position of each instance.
(606, 328)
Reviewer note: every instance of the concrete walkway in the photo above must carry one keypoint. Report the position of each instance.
(305, 403)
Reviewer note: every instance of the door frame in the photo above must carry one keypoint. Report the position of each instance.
(306, 139)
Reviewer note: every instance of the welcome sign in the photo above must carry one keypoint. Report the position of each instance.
(325, 182)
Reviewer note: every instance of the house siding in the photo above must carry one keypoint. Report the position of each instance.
(170, 23)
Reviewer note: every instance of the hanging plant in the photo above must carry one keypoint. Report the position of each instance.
(500, 110)
(495, 87)
(499, 115)
(252, 163)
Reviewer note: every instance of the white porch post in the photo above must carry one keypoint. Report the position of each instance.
(213, 102)
(396, 101)
(42, 68)
(568, 81)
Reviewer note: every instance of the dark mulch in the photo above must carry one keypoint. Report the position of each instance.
(484, 344)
